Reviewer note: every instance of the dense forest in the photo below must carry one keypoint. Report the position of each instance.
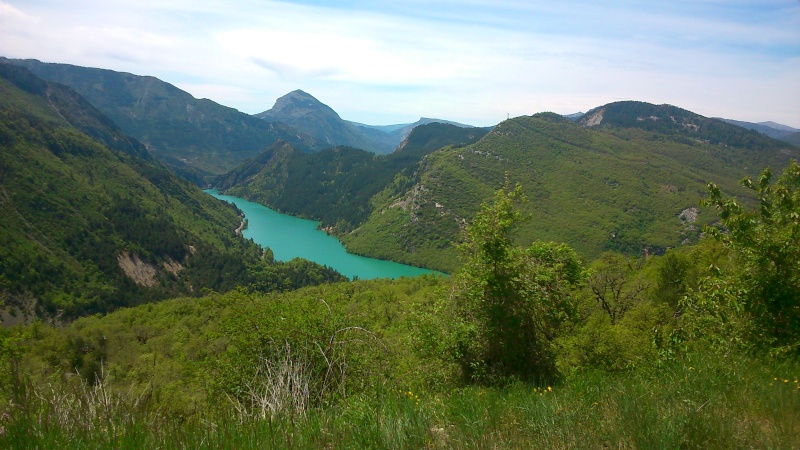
(91, 222)
(336, 186)
(600, 188)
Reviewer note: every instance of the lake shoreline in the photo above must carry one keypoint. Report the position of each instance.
(291, 237)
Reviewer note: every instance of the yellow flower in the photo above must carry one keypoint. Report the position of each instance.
(549, 389)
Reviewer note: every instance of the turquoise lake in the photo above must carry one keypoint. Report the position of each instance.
(291, 237)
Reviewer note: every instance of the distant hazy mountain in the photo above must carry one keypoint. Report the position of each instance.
(778, 126)
(771, 129)
(197, 137)
(302, 111)
(574, 116)
(793, 138)
(399, 132)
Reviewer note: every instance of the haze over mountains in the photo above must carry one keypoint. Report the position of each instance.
(771, 129)
(618, 177)
(200, 138)
(196, 137)
(307, 114)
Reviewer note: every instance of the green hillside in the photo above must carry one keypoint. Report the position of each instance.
(626, 178)
(87, 227)
(336, 185)
(198, 137)
(522, 347)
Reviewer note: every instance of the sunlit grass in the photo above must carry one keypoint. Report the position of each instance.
(693, 403)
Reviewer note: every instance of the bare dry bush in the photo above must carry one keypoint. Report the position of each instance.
(279, 386)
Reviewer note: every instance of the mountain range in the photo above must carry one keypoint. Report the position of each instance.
(399, 132)
(774, 130)
(91, 221)
(771, 129)
(198, 138)
(307, 114)
(619, 177)
(625, 176)
(201, 139)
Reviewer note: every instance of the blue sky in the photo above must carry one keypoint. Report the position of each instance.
(470, 61)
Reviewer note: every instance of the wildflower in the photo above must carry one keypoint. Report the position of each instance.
(785, 381)
(549, 389)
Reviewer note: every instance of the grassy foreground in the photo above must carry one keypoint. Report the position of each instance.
(693, 402)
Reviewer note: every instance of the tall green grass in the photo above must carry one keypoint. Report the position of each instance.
(695, 402)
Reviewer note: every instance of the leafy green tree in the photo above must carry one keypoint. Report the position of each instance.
(761, 303)
(508, 303)
(614, 284)
(673, 278)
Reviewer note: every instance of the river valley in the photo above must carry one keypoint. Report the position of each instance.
(291, 237)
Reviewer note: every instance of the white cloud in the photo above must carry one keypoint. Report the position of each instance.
(471, 61)
(8, 11)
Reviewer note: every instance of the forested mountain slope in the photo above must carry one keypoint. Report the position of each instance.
(336, 185)
(198, 137)
(627, 177)
(89, 221)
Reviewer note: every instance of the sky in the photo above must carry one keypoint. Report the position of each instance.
(475, 61)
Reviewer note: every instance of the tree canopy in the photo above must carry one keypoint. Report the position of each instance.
(509, 303)
(759, 305)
